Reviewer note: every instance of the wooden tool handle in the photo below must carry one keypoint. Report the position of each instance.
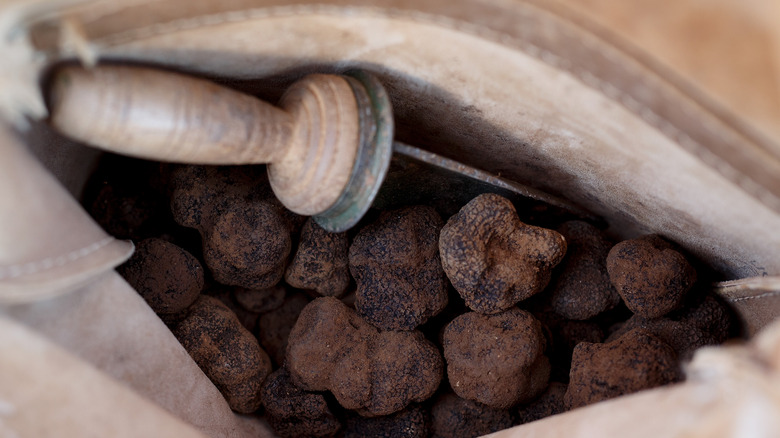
(166, 116)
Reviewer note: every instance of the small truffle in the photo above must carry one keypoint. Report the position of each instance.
(454, 417)
(549, 403)
(376, 373)
(260, 300)
(582, 289)
(650, 276)
(168, 277)
(274, 327)
(497, 360)
(321, 262)
(635, 361)
(226, 352)
(412, 422)
(712, 316)
(683, 337)
(395, 262)
(293, 412)
(492, 258)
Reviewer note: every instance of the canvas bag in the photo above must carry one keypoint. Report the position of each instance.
(533, 91)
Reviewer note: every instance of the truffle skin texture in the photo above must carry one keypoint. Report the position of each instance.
(413, 422)
(321, 261)
(331, 348)
(168, 277)
(226, 352)
(498, 359)
(683, 337)
(454, 417)
(549, 403)
(492, 258)
(581, 288)
(635, 361)
(650, 276)
(274, 327)
(260, 300)
(712, 316)
(395, 262)
(293, 412)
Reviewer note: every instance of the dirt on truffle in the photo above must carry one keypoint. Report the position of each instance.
(321, 261)
(650, 276)
(226, 352)
(166, 276)
(455, 417)
(293, 412)
(581, 288)
(274, 327)
(412, 422)
(497, 360)
(635, 361)
(549, 403)
(493, 259)
(331, 348)
(395, 262)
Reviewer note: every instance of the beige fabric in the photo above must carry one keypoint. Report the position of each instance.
(756, 300)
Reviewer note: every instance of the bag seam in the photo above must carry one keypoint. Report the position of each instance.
(14, 271)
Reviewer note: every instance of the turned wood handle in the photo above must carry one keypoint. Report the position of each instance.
(166, 116)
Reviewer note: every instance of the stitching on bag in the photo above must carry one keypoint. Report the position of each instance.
(669, 130)
(755, 297)
(14, 271)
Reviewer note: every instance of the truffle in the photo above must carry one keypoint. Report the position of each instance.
(566, 334)
(167, 277)
(549, 403)
(650, 276)
(683, 337)
(226, 352)
(321, 261)
(454, 417)
(412, 422)
(126, 214)
(293, 412)
(635, 361)
(395, 262)
(498, 359)
(492, 258)
(581, 288)
(274, 327)
(712, 316)
(260, 300)
(225, 295)
(331, 348)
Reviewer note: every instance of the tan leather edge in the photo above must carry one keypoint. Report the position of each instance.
(754, 299)
(548, 32)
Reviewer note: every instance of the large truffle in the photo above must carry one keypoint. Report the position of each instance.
(582, 289)
(412, 422)
(168, 277)
(651, 277)
(635, 361)
(226, 352)
(320, 262)
(492, 258)
(376, 373)
(274, 327)
(497, 360)
(454, 417)
(395, 262)
(293, 412)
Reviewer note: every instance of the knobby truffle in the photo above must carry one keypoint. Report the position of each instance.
(650, 276)
(492, 258)
(454, 417)
(226, 352)
(321, 261)
(635, 361)
(582, 289)
(395, 262)
(332, 349)
(168, 277)
(497, 360)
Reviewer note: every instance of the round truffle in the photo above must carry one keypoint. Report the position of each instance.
(412, 422)
(274, 327)
(293, 412)
(226, 352)
(454, 417)
(492, 258)
(395, 262)
(321, 261)
(331, 348)
(650, 276)
(635, 361)
(582, 289)
(497, 360)
(167, 277)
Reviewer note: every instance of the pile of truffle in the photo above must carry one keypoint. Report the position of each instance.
(409, 325)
